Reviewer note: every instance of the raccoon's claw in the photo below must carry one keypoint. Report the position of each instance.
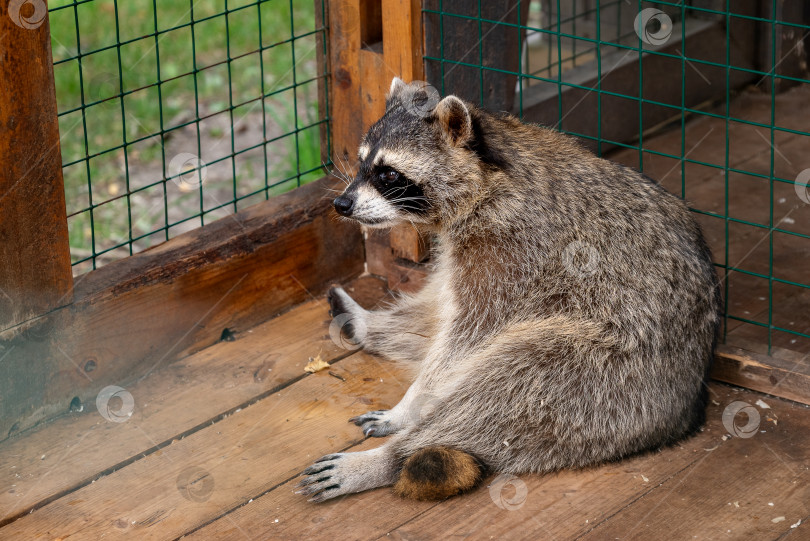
(318, 478)
(376, 423)
(316, 468)
(345, 473)
(366, 417)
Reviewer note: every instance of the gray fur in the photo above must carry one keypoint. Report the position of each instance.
(532, 357)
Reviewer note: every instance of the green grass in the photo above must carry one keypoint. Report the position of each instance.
(113, 110)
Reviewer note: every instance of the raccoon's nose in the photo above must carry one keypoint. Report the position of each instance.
(343, 205)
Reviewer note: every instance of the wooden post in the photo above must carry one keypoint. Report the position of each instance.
(35, 271)
(459, 37)
(371, 42)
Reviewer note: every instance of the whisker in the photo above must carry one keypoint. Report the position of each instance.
(401, 188)
(414, 198)
(345, 164)
(339, 175)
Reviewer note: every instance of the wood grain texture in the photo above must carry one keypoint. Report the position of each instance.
(748, 488)
(245, 461)
(35, 273)
(379, 254)
(241, 457)
(463, 39)
(321, 12)
(180, 398)
(282, 514)
(571, 504)
(373, 74)
(408, 243)
(345, 105)
(145, 311)
(787, 376)
(570, 109)
(402, 38)
(406, 276)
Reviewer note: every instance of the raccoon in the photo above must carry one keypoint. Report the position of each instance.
(570, 319)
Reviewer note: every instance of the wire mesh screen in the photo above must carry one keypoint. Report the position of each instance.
(174, 114)
(711, 98)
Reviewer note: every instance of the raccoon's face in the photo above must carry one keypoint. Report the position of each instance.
(404, 159)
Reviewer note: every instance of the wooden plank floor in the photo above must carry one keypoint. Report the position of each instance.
(215, 441)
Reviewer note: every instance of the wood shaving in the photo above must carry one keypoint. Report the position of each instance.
(316, 365)
(762, 404)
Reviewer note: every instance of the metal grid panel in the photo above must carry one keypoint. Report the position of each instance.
(584, 31)
(174, 114)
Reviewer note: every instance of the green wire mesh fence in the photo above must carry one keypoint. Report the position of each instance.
(709, 97)
(174, 114)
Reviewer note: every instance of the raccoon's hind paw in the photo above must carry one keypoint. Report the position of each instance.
(345, 473)
(377, 423)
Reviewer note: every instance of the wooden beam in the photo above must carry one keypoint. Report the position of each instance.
(463, 39)
(785, 373)
(137, 314)
(783, 53)
(402, 40)
(409, 243)
(406, 276)
(572, 109)
(35, 274)
(379, 255)
(345, 104)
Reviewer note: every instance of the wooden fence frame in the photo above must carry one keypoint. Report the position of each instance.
(61, 342)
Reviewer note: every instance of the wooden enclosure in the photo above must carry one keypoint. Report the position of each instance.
(210, 332)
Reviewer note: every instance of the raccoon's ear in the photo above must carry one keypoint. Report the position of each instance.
(397, 86)
(454, 119)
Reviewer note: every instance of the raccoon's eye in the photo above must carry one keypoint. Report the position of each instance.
(389, 176)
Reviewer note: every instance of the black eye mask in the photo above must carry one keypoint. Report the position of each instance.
(399, 190)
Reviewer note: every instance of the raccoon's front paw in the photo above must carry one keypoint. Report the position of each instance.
(377, 423)
(345, 473)
(347, 316)
(337, 305)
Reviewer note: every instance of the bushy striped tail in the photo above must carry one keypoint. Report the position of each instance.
(436, 473)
